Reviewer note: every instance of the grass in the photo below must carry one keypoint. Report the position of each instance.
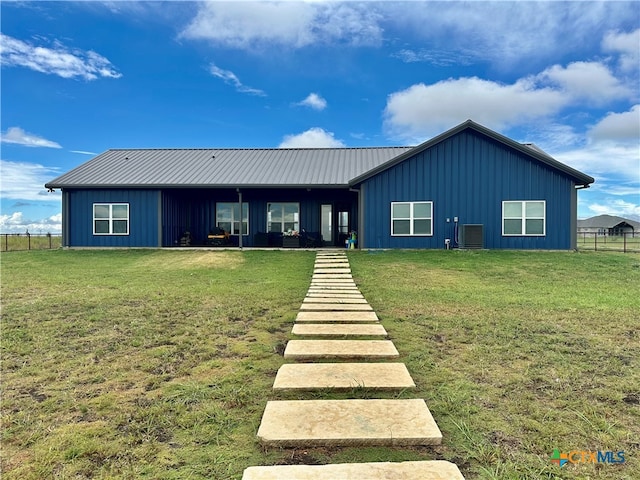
(158, 364)
(615, 243)
(20, 241)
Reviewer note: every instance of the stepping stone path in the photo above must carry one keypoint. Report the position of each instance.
(334, 307)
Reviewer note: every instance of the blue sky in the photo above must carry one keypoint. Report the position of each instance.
(79, 78)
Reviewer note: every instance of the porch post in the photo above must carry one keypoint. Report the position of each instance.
(240, 202)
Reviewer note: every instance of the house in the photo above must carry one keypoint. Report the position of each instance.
(608, 225)
(468, 187)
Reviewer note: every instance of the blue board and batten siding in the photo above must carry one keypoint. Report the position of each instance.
(468, 176)
(144, 210)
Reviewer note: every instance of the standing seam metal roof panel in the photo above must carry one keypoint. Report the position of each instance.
(226, 167)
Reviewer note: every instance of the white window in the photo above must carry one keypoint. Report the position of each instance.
(411, 218)
(111, 219)
(228, 217)
(283, 217)
(523, 218)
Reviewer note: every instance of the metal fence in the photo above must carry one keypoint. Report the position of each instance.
(29, 241)
(628, 242)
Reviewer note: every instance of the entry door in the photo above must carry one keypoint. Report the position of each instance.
(326, 224)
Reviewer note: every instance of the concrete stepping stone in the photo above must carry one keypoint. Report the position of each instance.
(339, 317)
(326, 279)
(299, 423)
(332, 276)
(340, 307)
(418, 470)
(351, 285)
(330, 271)
(334, 300)
(334, 291)
(316, 349)
(331, 294)
(307, 376)
(332, 262)
(334, 286)
(330, 284)
(319, 293)
(339, 329)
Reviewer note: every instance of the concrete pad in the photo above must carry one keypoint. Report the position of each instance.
(332, 276)
(331, 294)
(339, 330)
(299, 423)
(332, 299)
(319, 291)
(337, 289)
(323, 271)
(333, 286)
(339, 307)
(306, 376)
(418, 470)
(328, 317)
(314, 349)
(331, 262)
(326, 279)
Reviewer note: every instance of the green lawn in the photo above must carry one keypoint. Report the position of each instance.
(158, 364)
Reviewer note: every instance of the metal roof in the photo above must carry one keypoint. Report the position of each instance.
(264, 167)
(330, 167)
(606, 221)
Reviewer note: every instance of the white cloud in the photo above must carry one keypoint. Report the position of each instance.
(627, 45)
(58, 60)
(313, 101)
(605, 160)
(422, 111)
(230, 78)
(83, 152)
(20, 137)
(315, 137)
(292, 24)
(591, 81)
(508, 34)
(616, 206)
(616, 127)
(439, 58)
(16, 223)
(25, 181)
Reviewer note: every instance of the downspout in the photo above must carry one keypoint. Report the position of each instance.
(65, 218)
(240, 232)
(574, 216)
(361, 239)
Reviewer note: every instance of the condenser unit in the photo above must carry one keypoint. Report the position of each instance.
(471, 236)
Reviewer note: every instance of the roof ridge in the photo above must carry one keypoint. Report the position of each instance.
(253, 148)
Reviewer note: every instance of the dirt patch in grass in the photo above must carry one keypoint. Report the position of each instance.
(188, 260)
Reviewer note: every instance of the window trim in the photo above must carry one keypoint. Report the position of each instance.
(412, 218)
(282, 222)
(240, 222)
(523, 219)
(111, 218)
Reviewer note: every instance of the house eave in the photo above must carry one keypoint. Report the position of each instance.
(173, 186)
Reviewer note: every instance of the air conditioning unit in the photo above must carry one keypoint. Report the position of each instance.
(471, 236)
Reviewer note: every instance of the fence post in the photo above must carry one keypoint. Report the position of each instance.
(49, 236)
(595, 243)
(624, 242)
(28, 241)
